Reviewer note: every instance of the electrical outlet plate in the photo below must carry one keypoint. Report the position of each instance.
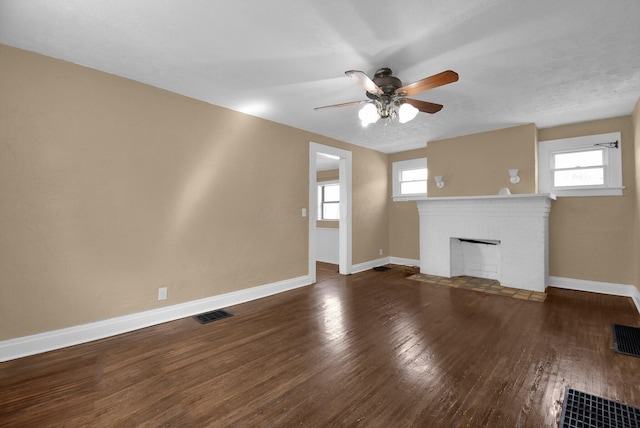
(162, 293)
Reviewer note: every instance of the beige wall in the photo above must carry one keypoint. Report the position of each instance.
(471, 165)
(370, 189)
(328, 175)
(592, 238)
(112, 189)
(478, 164)
(329, 224)
(403, 216)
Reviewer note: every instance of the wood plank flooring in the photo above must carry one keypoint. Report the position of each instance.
(326, 271)
(372, 349)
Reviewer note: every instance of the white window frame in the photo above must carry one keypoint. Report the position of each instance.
(320, 184)
(612, 162)
(397, 169)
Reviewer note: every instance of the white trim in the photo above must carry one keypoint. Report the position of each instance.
(623, 290)
(408, 198)
(404, 262)
(577, 192)
(346, 212)
(345, 179)
(396, 171)
(361, 267)
(612, 165)
(56, 339)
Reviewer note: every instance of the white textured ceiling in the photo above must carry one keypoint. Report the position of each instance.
(549, 62)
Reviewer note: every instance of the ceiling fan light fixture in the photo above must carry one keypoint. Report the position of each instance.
(407, 112)
(368, 114)
(386, 96)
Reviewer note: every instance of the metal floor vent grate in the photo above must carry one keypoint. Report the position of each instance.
(381, 268)
(212, 316)
(626, 339)
(590, 411)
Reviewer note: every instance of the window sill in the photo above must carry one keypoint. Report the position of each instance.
(405, 198)
(609, 191)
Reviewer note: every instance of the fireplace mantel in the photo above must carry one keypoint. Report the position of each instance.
(519, 222)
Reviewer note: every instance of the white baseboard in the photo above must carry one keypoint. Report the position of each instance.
(597, 287)
(404, 262)
(51, 340)
(361, 267)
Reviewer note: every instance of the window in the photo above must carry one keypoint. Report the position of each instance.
(581, 166)
(410, 179)
(329, 201)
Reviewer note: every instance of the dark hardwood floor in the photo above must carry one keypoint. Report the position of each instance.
(326, 271)
(372, 349)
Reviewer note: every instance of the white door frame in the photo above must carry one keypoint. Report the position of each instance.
(344, 233)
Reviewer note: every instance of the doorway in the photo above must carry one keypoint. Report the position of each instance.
(342, 159)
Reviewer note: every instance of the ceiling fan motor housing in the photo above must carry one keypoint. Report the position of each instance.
(388, 83)
(385, 81)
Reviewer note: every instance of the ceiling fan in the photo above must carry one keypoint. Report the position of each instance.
(385, 92)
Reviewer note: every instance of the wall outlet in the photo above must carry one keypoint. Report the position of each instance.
(380, 251)
(162, 293)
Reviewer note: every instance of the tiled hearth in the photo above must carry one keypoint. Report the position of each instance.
(483, 285)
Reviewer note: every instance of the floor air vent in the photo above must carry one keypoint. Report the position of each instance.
(212, 316)
(590, 411)
(626, 340)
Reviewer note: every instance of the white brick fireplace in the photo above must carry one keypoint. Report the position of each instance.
(518, 226)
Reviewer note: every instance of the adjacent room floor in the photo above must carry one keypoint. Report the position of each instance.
(326, 271)
(370, 349)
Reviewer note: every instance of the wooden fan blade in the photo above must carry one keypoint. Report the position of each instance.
(434, 81)
(364, 81)
(352, 103)
(424, 106)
